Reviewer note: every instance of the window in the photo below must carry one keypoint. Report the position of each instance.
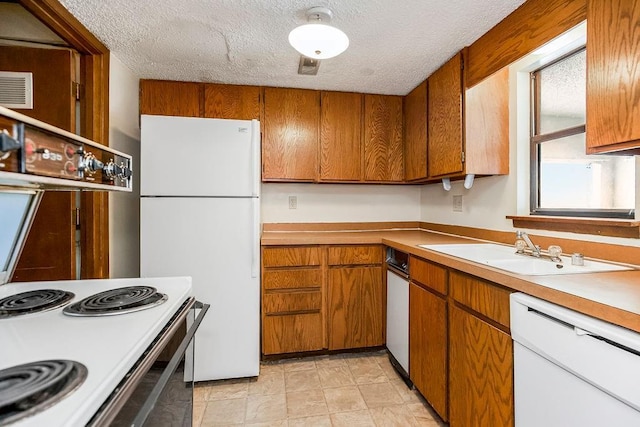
(564, 180)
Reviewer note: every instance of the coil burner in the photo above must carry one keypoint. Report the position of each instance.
(33, 302)
(30, 388)
(117, 301)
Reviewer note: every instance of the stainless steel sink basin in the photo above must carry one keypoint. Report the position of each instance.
(504, 257)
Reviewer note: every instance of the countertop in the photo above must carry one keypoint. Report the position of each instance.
(610, 296)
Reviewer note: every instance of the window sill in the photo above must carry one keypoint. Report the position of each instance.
(595, 226)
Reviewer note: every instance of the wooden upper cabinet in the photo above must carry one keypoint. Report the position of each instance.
(169, 98)
(445, 144)
(290, 134)
(231, 102)
(415, 133)
(486, 116)
(613, 76)
(383, 153)
(341, 136)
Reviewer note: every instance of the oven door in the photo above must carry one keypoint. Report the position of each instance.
(156, 393)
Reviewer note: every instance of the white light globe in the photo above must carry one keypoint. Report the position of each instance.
(318, 41)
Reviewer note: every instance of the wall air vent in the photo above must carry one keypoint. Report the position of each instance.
(16, 90)
(308, 66)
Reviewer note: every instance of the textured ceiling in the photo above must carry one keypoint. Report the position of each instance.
(394, 44)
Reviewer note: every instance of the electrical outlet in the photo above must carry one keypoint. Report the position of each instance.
(457, 203)
(293, 202)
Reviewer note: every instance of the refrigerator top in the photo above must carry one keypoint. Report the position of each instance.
(199, 157)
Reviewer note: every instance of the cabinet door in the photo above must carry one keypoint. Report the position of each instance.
(290, 134)
(445, 119)
(480, 372)
(613, 76)
(231, 102)
(341, 136)
(355, 307)
(292, 333)
(383, 138)
(415, 133)
(168, 98)
(428, 346)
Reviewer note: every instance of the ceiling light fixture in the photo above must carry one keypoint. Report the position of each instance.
(316, 39)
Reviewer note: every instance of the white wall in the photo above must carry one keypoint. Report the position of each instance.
(124, 208)
(340, 203)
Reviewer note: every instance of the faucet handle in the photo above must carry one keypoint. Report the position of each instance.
(554, 251)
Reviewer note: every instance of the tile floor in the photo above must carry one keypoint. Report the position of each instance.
(360, 389)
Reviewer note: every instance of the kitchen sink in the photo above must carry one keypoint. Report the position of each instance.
(505, 258)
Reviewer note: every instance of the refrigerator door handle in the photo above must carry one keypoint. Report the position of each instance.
(255, 243)
(255, 152)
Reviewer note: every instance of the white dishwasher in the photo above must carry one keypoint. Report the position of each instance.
(398, 310)
(572, 369)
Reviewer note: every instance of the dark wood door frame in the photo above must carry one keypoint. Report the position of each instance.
(94, 123)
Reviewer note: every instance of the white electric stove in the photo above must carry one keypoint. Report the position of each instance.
(108, 346)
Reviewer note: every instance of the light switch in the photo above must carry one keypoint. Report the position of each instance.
(457, 203)
(293, 202)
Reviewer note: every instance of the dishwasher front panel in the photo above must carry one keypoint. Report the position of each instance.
(398, 318)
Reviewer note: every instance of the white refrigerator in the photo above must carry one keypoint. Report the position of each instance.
(200, 217)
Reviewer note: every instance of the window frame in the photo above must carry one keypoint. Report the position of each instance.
(535, 142)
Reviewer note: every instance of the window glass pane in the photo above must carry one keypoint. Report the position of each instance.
(13, 208)
(563, 94)
(570, 179)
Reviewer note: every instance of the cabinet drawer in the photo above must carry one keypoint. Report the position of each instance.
(290, 302)
(355, 255)
(290, 279)
(428, 274)
(290, 257)
(292, 333)
(483, 297)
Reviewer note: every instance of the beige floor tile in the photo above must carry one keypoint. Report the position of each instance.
(201, 392)
(378, 395)
(388, 369)
(352, 419)
(198, 413)
(407, 395)
(270, 367)
(343, 399)
(318, 421)
(393, 416)
(266, 408)
(330, 361)
(367, 373)
(291, 365)
(224, 412)
(270, 382)
(277, 423)
(423, 414)
(359, 359)
(335, 376)
(301, 380)
(228, 389)
(304, 404)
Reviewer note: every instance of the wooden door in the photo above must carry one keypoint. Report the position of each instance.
(445, 145)
(231, 102)
(50, 251)
(291, 131)
(428, 346)
(480, 372)
(355, 307)
(340, 136)
(383, 157)
(415, 133)
(613, 76)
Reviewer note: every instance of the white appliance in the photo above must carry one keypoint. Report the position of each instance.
(398, 309)
(572, 369)
(200, 217)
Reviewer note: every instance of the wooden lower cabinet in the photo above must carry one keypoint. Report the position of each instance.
(428, 346)
(292, 333)
(480, 372)
(355, 309)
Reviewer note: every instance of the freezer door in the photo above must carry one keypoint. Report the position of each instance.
(213, 241)
(191, 156)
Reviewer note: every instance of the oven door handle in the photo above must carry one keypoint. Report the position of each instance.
(148, 406)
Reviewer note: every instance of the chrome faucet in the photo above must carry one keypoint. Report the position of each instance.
(535, 249)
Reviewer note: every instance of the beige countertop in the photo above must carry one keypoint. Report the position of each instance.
(611, 296)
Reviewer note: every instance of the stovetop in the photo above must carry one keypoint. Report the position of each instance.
(107, 346)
